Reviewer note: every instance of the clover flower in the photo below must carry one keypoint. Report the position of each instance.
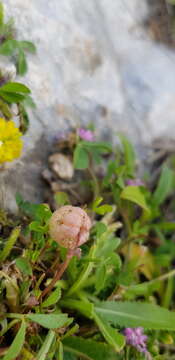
(85, 134)
(136, 338)
(10, 141)
(70, 226)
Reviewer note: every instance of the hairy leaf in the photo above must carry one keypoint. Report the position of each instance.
(50, 321)
(133, 314)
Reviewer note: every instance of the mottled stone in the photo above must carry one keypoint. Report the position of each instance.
(95, 62)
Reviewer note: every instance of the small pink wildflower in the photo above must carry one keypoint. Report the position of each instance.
(85, 134)
(70, 226)
(136, 338)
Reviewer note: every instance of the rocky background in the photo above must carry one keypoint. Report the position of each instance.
(96, 61)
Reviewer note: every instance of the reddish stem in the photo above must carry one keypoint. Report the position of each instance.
(58, 275)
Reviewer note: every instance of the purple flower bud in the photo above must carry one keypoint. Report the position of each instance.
(134, 182)
(85, 134)
(136, 338)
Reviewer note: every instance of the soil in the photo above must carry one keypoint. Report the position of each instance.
(161, 22)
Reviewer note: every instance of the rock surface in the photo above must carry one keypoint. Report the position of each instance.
(95, 62)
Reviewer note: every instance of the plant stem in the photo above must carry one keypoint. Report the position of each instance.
(58, 275)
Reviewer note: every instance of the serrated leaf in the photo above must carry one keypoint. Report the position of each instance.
(81, 158)
(164, 187)
(53, 298)
(50, 321)
(88, 349)
(24, 265)
(134, 194)
(133, 314)
(17, 343)
(111, 335)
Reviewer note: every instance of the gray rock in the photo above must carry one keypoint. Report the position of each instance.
(95, 62)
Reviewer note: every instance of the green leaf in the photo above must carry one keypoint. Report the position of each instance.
(50, 321)
(10, 243)
(15, 87)
(81, 157)
(28, 46)
(84, 307)
(12, 98)
(61, 198)
(134, 194)
(84, 274)
(53, 297)
(23, 118)
(29, 102)
(60, 351)
(24, 266)
(133, 314)
(111, 335)
(97, 202)
(104, 209)
(9, 47)
(43, 353)
(36, 226)
(17, 343)
(100, 228)
(88, 349)
(100, 277)
(21, 63)
(102, 146)
(165, 186)
(129, 154)
(1, 14)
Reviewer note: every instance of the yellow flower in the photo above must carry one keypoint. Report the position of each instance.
(10, 141)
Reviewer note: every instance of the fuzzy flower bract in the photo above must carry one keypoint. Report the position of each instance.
(10, 141)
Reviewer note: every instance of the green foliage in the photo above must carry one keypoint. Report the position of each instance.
(164, 187)
(120, 280)
(17, 344)
(86, 151)
(12, 92)
(111, 335)
(134, 194)
(133, 314)
(50, 321)
(88, 349)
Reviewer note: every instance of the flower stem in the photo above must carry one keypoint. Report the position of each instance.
(58, 275)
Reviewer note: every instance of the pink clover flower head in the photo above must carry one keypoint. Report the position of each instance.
(135, 182)
(136, 338)
(69, 226)
(86, 134)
